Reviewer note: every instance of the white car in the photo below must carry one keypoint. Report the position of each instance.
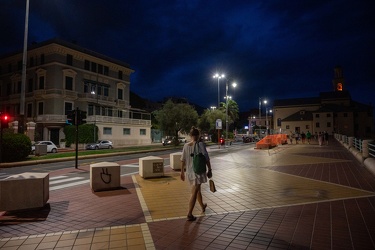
(51, 147)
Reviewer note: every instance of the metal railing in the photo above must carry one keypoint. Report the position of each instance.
(357, 143)
(371, 149)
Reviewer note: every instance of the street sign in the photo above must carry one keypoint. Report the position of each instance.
(219, 124)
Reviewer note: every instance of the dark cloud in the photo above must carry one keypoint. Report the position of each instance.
(274, 49)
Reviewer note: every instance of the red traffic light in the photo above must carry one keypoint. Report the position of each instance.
(4, 120)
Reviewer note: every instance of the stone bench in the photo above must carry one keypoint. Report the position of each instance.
(175, 160)
(24, 191)
(104, 176)
(151, 166)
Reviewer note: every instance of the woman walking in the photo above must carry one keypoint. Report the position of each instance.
(194, 179)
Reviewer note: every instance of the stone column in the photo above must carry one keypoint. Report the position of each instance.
(351, 140)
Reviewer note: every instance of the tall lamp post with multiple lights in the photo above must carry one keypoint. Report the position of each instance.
(226, 108)
(260, 113)
(218, 76)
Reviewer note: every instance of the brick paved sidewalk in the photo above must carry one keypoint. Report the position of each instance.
(290, 197)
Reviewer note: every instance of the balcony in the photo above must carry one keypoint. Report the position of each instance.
(51, 118)
(116, 120)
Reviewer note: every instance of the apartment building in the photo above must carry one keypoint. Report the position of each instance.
(63, 76)
(334, 112)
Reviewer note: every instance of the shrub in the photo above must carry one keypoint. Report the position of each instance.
(15, 147)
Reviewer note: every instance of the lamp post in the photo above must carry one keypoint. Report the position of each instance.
(97, 102)
(226, 108)
(21, 124)
(218, 76)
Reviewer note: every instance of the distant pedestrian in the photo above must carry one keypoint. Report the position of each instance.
(303, 137)
(320, 138)
(316, 136)
(308, 136)
(326, 137)
(291, 137)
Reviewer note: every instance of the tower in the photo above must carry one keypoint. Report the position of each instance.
(338, 80)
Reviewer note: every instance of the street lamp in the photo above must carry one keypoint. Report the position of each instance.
(260, 113)
(218, 76)
(226, 108)
(94, 109)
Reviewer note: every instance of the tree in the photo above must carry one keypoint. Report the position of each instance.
(233, 110)
(176, 117)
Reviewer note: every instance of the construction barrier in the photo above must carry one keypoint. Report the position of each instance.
(272, 141)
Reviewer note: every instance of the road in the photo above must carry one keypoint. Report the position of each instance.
(60, 177)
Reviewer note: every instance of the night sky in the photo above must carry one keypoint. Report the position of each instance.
(272, 49)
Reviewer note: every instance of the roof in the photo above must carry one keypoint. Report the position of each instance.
(297, 102)
(335, 95)
(73, 46)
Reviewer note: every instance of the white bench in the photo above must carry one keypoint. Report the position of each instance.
(151, 166)
(175, 160)
(104, 176)
(24, 191)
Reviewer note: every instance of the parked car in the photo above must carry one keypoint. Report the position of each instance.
(51, 147)
(168, 140)
(182, 139)
(100, 145)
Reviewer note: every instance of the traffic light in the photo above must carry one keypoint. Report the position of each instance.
(81, 117)
(71, 117)
(5, 119)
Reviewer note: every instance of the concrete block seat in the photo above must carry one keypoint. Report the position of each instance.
(175, 160)
(151, 166)
(104, 176)
(24, 191)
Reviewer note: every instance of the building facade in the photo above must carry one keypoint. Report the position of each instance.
(333, 112)
(62, 76)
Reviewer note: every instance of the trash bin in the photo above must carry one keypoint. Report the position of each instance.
(40, 149)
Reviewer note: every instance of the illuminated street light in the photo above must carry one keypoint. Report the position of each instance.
(218, 76)
(226, 111)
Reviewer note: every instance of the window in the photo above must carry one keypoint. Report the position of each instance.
(69, 59)
(29, 111)
(126, 131)
(86, 88)
(142, 131)
(42, 59)
(68, 83)
(119, 113)
(107, 131)
(110, 113)
(106, 91)
(316, 115)
(106, 70)
(91, 110)
(100, 69)
(30, 85)
(328, 124)
(120, 74)
(18, 87)
(97, 110)
(40, 108)
(93, 67)
(87, 65)
(68, 106)
(41, 82)
(19, 65)
(317, 125)
(99, 90)
(278, 121)
(120, 94)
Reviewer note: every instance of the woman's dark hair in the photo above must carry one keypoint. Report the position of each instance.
(194, 131)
